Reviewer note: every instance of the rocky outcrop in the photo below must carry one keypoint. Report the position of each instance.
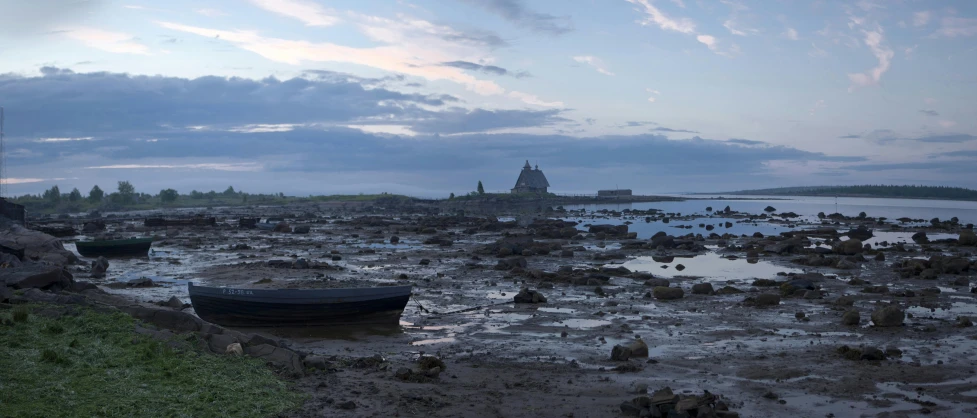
(889, 316)
(529, 296)
(37, 246)
(40, 276)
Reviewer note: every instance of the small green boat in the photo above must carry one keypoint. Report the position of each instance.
(115, 247)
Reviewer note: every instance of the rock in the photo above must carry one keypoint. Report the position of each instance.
(928, 274)
(234, 349)
(141, 282)
(764, 299)
(728, 290)
(39, 276)
(348, 405)
(872, 354)
(511, 263)
(638, 348)
(861, 233)
(629, 409)
(301, 229)
(300, 263)
(99, 267)
(851, 318)
(252, 340)
(165, 318)
(852, 246)
(5, 294)
(36, 245)
(316, 362)
(403, 373)
(967, 238)
(679, 267)
(282, 227)
(394, 239)
(961, 281)
(279, 357)
(956, 266)
(174, 303)
(964, 322)
(620, 353)
(702, 289)
(880, 257)
(566, 254)
(424, 262)
(889, 316)
(920, 238)
(218, 343)
(529, 296)
(656, 282)
(668, 293)
(893, 351)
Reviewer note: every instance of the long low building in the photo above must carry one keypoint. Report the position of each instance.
(614, 193)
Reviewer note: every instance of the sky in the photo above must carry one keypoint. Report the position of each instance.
(428, 97)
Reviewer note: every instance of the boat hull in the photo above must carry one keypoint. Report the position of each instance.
(117, 248)
(299, 308)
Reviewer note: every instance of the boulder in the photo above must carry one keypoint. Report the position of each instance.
(852, 246)
(967, 238)
(301, 229)
(283, 227)
(38, 276)
(851, 318)
(728, 290)
(99, 267)
(529, 296)
(920, 238)
(889, 316)
(165, 318)
(394, 239)
(956, 266)
(5, 294)
(174, 303)
(279, 357)
(860, 233)
(668, 293)
(656, 282)
(872, 354)
(234, 349)
(219, 343)
(511, 263)
(620, 353)
(764, 299)
(36, 245)
(702, 289)
(300, 263)
(638, 348)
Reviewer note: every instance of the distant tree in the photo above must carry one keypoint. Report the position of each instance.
(451, 196)
(196, 195)
(168, 195)
(96, 194)
(53, 194)
(481, 190)
(230, 191)
(244, 197)
(75, 195)
(126, 192)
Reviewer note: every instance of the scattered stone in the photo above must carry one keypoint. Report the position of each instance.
(763, 299)
(728, 290)
(301, 229)
(964, 322)
(851, 318)
(141, 282)
(99, 267)
(872, 354)
(920, 238)
(234, 349)
(702, 289)
(529, 296)
(656, 282)
(174, 302)
(300, 263)
(679, 267)
(889, 316)
(668, 293)
(424, 262)
(394, 239)
(967, 238)
(852, 246)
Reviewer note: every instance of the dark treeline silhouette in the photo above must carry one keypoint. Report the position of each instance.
(912, 192)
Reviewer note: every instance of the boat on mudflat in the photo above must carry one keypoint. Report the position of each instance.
(115, 247)
(231, 307)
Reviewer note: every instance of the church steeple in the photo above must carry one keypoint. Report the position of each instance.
(527, 167)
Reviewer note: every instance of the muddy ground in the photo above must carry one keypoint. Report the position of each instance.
(554, 359)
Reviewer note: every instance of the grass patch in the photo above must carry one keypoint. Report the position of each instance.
(94, 365)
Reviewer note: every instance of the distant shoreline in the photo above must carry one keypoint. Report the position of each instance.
(787, 197)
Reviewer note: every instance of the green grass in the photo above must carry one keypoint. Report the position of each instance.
(94, 365)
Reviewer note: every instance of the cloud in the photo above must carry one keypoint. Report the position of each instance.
(817, 52)
(883, 136)
(791, 34)
(817, 106)
(408, 51)
(590, 121)
(308, 12)
(922, 18)
(874, 40)
(26, 180)
(635, 123)
(664, 129)
(210, 12)
(657, 18)
(206, 166)
(481, 120)
(952, 27)
(735, 28)
(654, 93)
(116, 42)
(901, 166)
(929, 100)
(679, 3)
(26, 19)
(487, 69)
(850, 136)
(745, 142)
(946, 123)
(533, 100)
(516, 12)
(593, 62)
(57, 106)
(929, 112)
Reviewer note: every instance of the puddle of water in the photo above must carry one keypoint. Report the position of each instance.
(579, 323)
(893, 238)
(709, 265)
(956, 309)
(558, 310)
(677, 227)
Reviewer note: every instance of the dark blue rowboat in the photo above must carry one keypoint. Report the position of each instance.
(299, 307)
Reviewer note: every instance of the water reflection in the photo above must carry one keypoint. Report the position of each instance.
(710, 265)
